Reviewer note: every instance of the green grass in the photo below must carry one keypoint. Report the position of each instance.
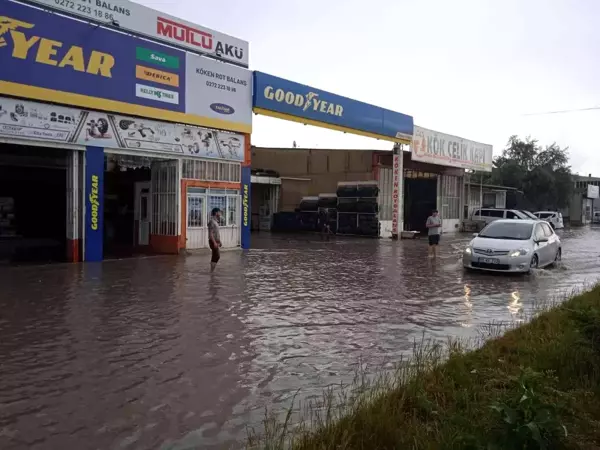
(537, 386)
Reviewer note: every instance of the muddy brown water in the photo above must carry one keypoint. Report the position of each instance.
(156, 353)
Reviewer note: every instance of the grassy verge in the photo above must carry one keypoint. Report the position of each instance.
(538, 386)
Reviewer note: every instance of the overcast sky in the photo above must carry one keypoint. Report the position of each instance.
(471, 68)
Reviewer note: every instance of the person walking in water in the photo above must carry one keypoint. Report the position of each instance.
(434, 229)
(214, 237)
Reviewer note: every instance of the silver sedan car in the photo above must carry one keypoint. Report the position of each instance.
(513, 246)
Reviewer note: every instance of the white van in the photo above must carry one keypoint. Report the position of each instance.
(488, 215)
(596, 217)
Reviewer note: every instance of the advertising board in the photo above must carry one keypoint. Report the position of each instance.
(94, 204)
(147, 22)
(445, 150)
(246, 179)
(53, 58)
(592, 191)
(396, 194)
(43, 122)
(293, 101)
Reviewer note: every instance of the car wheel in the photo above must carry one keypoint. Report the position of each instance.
(535, 262)
(558, 256)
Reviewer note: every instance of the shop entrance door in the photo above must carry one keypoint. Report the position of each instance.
(142, 213)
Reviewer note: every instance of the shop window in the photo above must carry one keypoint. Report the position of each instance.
(232, 210)
(195, 210)
(489, 200)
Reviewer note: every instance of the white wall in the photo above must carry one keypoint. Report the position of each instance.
(198, 237)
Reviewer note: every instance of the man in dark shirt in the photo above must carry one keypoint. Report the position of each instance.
(214, 237)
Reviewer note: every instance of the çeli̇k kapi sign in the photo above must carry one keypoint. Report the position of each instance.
(286, 99)
(445, 150)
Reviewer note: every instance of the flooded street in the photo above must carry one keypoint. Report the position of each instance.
(158, 353)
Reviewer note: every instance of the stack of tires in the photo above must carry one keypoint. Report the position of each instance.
(328, 208)
(357, 208)
(308, 212)
(347, 208)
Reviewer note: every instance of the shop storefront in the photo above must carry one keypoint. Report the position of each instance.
(111, 145)
(434, 177)
(360, 211)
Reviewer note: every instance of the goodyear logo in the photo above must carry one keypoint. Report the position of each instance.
(310, 101)
(245, 205)
(26, 45)
(94, 202)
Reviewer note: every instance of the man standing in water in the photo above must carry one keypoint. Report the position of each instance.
(434, 229)
(214, 237)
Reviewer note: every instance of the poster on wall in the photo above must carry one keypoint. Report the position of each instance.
(48, 57)
(445, 150)
(154, 24)
(38, 121)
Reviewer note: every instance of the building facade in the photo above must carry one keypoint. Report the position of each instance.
(117, 144)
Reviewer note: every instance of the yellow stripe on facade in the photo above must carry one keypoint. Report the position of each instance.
(84, 101)
(266, 112)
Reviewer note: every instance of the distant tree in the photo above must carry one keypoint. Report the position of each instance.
(543, 174)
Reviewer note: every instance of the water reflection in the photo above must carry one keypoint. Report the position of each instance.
(158, 353)
(515, 306)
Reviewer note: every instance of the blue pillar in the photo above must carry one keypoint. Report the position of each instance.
(94, 204)
(246, 209)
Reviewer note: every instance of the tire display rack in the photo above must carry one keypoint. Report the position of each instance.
(357, 208)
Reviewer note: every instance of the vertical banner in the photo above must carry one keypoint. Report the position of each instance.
(94, 203)
(396, 195)
(246, 192)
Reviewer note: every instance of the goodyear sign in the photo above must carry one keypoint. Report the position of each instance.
(285, 99)
(52, 58)
(246, 181)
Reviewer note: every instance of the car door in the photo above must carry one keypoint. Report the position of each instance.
(551, 246)
(541, 247)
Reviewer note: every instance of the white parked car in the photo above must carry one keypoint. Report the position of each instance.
(554, 218)
(489, 215)
(513, 246)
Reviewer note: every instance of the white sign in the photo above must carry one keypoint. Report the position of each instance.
(396, 194)
(147, 22)
(438, 148)
(592, 191)
(217, 90)
(43, 122)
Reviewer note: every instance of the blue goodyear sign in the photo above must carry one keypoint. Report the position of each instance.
(94, 204)
(302, 103)
(246, 207)
(48, 57)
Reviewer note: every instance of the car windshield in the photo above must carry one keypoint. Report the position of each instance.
(528, 214)
(545, 215)
(507, 230)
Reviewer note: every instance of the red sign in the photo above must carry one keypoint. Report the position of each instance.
(184, 34)
(396, 195)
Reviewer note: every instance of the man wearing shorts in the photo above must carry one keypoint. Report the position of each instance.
(434, 230)
(214, 237)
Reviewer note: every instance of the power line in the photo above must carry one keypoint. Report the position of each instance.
(593, 108)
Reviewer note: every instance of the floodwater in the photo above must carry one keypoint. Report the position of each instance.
(156, 353)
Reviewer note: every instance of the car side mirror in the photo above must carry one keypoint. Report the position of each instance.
(544, 239)
(475, 234)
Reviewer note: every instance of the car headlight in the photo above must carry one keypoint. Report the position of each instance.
(468, 250)
(520, 252)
